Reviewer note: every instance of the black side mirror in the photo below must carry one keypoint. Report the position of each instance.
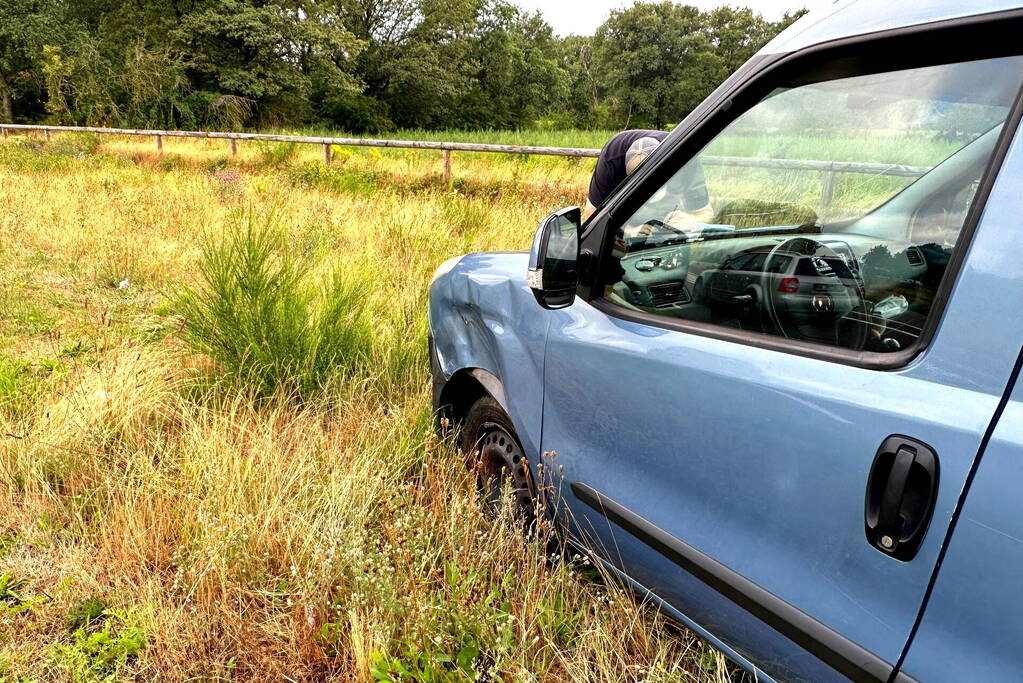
(553, 262)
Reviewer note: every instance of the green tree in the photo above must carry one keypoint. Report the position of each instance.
(80, 83)
(656, 61)
(365, 65)
(414, 64)
(25, 27)
(515, 71)
(787, 20)
(466, 63)
(736, 35)
(273, 52)
(585, 104)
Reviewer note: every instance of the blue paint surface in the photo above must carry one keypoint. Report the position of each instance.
(973, 626)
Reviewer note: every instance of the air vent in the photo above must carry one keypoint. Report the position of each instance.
(914, 256)
(669, 294)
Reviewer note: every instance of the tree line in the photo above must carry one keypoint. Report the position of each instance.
(364, 66)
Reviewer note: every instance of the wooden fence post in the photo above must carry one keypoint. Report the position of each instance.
(234, 147)
(46, 133)
(5, 133)
(159, 143)
(447, 166)
(828, 189)
(327, 155)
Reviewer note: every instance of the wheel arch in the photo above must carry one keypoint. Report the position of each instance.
(465, 387)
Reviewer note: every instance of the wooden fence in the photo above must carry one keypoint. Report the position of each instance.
(829, 168)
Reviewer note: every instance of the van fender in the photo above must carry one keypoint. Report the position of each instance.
(488, 336)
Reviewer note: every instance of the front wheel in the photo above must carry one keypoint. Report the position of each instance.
(492, 449)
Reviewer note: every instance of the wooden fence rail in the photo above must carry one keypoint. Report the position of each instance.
(828, 168)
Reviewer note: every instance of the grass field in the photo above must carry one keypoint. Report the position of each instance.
(165, 517)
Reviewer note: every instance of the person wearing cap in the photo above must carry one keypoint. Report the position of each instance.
(623, 154)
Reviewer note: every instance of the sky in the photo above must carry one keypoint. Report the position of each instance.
(582, 17)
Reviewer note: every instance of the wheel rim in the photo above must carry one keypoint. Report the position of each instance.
(503, 468)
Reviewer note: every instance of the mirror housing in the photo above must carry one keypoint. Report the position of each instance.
(554, 259)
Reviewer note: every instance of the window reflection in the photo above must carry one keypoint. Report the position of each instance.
(826, 213)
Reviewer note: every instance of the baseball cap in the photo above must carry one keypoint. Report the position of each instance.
(638, 151)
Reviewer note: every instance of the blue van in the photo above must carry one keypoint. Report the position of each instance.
(790, 417)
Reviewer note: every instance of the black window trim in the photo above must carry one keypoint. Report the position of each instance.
(944, 42)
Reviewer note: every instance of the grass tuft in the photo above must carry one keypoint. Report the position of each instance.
(270, 317)
(277, 153)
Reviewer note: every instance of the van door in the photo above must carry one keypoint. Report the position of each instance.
(973, 623)
(786, 481)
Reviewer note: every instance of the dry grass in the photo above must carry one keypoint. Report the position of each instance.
(259, 539)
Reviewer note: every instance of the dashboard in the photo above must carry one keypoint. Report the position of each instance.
(662, 277)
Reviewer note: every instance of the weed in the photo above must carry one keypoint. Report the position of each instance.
(51, 365)
(164, 308)
(426, 667)
(314, 175)
(288, 539)
(100, 655)
(751, 213)
(230, 185)
(35, 155)
(123, 268)
(76, 349)
(13, 599)
(341, 154)
(268, 319)
(561, 622)
(26, 313)
(13, 378)
(215, 164)
(74, 144)
(85, 613)
(8, 540)
(10, 590)
(276, 153)
(170, 162)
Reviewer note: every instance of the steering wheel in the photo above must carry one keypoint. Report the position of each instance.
(830, 309)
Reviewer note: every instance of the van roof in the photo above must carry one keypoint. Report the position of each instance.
(847, 18)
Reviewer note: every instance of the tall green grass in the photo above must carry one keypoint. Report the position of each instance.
(272, 317)
(276, 153)
(253, 538)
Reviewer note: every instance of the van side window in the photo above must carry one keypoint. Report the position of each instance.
(831, 210)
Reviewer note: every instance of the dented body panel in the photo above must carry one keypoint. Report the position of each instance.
(484, 320)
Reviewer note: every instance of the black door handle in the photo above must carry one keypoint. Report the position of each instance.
(901, 492)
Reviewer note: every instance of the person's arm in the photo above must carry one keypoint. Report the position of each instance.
(599, 183)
